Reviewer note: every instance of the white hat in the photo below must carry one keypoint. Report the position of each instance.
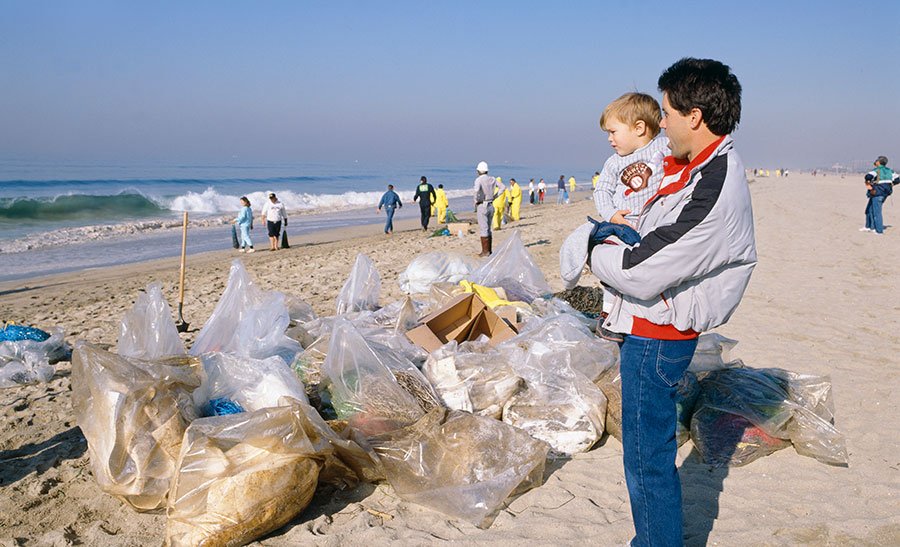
(482, 167)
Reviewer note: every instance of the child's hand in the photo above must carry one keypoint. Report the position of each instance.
(619, 217)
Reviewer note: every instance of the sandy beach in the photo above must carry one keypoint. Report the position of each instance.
(823, 300)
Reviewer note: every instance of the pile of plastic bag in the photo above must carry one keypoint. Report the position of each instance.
(234, 436)
(27, 354)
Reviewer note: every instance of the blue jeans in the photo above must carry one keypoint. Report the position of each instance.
(245, 236)
(389, 223)
(874, 219)
(651, 370)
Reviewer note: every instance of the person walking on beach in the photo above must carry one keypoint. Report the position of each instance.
(425, 195)
(594, 180)
(390, 201)
(515, 200)
(441, 204)
(561, 190)
(572, 185)
(687, 275)
(273, 214)
(484, 208)
(531, 191)
(542, 189)
(244, 222)
(879, 185)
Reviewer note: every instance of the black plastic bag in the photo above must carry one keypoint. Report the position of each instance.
(234, 237)
(284, 240)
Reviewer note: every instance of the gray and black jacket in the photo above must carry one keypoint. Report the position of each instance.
(697, 251)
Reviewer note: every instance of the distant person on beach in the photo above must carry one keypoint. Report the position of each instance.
(531, 191)
(484, 207)
(594, 180)
(425, 195)
(687, 275)
(244, 222)
(561, 190)
(441, 204)
(515, 200)
(631, 176)
(879, 185)
(501, 197)
(542, 189)
(572, 185)
(390, 201)
(273, 214)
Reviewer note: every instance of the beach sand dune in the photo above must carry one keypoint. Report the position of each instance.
(823, 300)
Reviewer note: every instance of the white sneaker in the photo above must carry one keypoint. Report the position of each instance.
(240, 250)
(865, 230)
(251, 250)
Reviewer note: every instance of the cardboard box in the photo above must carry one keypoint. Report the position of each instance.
(455, 227)
(464, 318)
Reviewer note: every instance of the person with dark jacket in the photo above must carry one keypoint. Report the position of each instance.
(426, 196)
(686, 275)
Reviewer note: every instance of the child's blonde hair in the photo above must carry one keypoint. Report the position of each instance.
(631, 108)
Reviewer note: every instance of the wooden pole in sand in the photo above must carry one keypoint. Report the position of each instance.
(182, 325)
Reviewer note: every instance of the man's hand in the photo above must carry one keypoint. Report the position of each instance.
(619, 218)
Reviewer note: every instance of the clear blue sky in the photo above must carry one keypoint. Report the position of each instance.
(430, 82)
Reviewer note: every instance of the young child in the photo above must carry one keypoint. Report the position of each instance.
(632, 176)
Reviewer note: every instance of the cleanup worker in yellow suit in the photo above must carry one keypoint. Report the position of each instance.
(441, 203)
(515, 199)
(500, 199)
(571, 185)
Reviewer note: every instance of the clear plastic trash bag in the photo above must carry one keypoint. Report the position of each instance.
(372, 387)
(544, 308)
(362, 289)
(25, 362)
(247, 321)
(133, 414)
(588, 354)
(147, 330)
(744, 413)
(298, 309)
(512, 268)
(251, 383)
(713, 353)
(435, 267)
(477, 382)
(559, 405)
(460, 464)
(244, 475)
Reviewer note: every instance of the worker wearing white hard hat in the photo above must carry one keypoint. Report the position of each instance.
(484, 209)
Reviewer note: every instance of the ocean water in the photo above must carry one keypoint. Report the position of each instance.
(72, 216)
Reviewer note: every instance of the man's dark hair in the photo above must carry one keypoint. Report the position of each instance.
(707, 85)
(390, 186)
(423, 179)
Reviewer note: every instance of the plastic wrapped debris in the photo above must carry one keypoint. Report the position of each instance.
(435, 267)
(460, 464)
(480, 382)
(28, 361)
(362, 289)
(241, 476)
(147, 330)
(512, 268)
(251, 383)
(743, 414)
(688, 390)
(559, 404)
(247, 321)
(222, 407)
(588, 354)
(713, 353)
(550, 307)
(133, 414)
(375, 390)
(298, 309)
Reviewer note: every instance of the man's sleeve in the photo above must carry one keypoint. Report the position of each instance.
(603, 194)
(695, 245)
